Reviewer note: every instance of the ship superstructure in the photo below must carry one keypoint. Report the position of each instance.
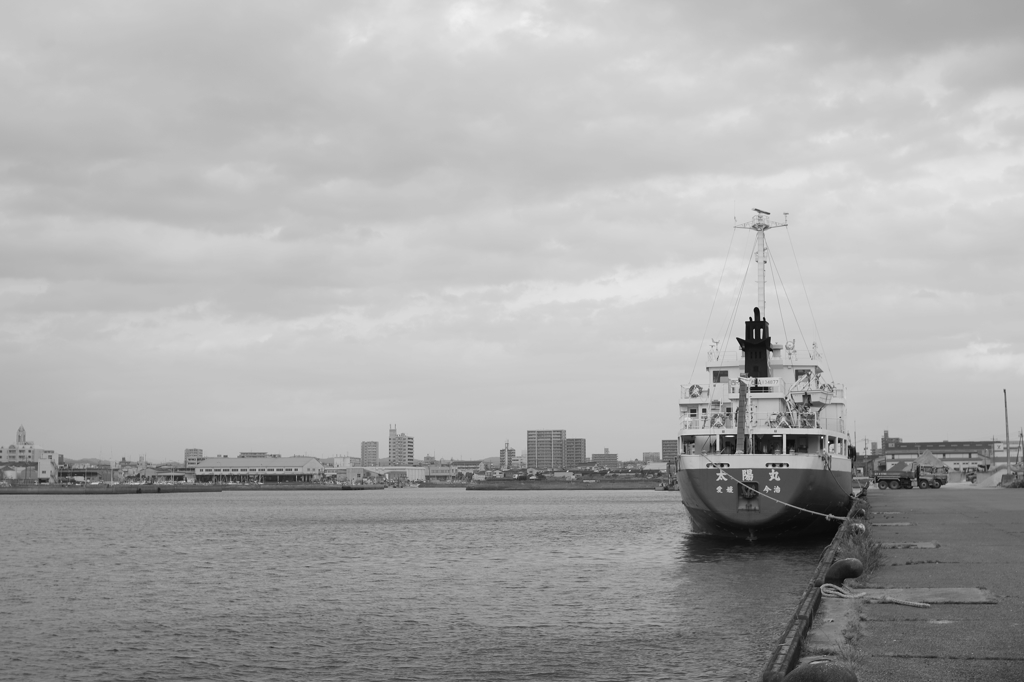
(764, 449)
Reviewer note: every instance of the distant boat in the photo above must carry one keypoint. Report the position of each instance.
(763, 441)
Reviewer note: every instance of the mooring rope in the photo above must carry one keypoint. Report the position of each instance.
(840, 591)
(843, 592)
(830, 517)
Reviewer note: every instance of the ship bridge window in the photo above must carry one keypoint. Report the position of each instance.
(720, 376)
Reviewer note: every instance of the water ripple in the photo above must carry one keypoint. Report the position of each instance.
(411, 585)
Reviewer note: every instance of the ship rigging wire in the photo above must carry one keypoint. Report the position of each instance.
(808, 299)
(772, 267)
(730, 320)
(718, 288)
(796, 318)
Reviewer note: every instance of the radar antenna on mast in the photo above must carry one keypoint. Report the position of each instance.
(759, 223)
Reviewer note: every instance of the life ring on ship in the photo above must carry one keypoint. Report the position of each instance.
(694, 391)
(717, 420)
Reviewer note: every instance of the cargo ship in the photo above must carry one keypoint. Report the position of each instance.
(764, 451)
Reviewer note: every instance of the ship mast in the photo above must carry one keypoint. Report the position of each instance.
(759, 224)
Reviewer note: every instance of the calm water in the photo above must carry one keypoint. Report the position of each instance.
(415, 584)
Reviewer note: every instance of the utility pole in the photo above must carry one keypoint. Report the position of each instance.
(1006, 412)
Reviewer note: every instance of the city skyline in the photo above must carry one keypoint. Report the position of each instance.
(284, 228)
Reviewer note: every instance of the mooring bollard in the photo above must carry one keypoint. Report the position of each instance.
(843, 569)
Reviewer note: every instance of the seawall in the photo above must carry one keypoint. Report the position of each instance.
(788, 647)
(511, 484)
(104, 489)
(130, 489)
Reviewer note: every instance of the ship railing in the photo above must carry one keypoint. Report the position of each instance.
(704, 393)
(798, 357)
(809, 384)
(779, 356)
(764, 385)
(764, 420)
(698, 392)
(795, 420)
(715, 420)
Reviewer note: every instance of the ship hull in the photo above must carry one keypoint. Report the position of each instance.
(798, 500)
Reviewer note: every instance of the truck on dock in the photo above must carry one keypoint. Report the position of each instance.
(924, 473)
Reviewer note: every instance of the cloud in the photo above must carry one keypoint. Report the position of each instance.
(985, 357)
(387, 199)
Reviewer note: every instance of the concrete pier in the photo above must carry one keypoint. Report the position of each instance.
(958, 536)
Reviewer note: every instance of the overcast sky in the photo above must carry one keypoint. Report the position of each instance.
(283, 226)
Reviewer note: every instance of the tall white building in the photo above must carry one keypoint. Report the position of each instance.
(400, 448)
(575, 452)
(505, 457)
(369, 453)
(193, 456)
(545, 449)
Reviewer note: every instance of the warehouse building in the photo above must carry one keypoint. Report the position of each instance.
(259, 470)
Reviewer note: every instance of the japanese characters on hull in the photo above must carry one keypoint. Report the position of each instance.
(748, 476)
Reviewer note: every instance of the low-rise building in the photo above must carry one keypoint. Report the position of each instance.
(342, 461)
(25, 451)
(410, 474)
(606, 459)
(442, 473)
(959, 455)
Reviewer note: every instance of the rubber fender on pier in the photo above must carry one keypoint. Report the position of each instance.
(821, 671)
(843, 569)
